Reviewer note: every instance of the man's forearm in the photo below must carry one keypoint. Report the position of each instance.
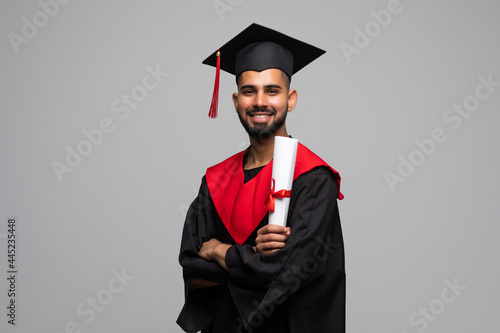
(214, 250)
(219, 254)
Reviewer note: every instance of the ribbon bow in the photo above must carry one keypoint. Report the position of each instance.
(276, 194)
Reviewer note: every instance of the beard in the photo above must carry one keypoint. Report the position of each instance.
(262, 131)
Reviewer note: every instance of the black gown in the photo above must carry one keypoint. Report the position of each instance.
(298, 289)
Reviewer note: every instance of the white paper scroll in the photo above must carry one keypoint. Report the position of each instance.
(285, 151)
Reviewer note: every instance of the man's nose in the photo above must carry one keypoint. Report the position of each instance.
(260, 100)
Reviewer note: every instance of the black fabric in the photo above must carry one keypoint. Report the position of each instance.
(263, 55)
(291, 55)
(298, 289)
(249, 174)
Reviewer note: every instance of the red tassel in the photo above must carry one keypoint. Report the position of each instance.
(215, 97)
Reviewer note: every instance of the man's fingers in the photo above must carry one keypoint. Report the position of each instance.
(272, 237)
(273, 229)
(270, 247)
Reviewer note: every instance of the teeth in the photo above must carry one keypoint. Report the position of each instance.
(260, 116)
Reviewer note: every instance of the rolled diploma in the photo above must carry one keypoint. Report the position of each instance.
(285, 152)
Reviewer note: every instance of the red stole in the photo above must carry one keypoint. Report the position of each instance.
(242, 207)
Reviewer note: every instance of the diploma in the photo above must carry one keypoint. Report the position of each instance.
(285, 152)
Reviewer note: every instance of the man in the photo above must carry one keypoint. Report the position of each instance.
(241, 274)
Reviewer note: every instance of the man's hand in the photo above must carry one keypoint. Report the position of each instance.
(271, 238)
(195, 283)
(214, 250)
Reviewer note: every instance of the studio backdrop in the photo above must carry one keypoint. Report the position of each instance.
(104, 139)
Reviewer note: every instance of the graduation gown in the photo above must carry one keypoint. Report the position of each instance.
(298, 289)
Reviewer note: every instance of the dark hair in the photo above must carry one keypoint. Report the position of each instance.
(284, 75)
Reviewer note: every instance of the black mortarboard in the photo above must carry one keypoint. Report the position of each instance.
(258, 48)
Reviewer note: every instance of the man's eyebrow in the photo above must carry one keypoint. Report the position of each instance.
(247, 86)
(274, 85)
(251, 86)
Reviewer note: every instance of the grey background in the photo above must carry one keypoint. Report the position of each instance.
(123, 206)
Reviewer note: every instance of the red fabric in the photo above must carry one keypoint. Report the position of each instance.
(242, 207)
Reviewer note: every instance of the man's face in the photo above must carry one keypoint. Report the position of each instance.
(262, 102)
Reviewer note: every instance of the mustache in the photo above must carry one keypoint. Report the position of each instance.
(266, 110)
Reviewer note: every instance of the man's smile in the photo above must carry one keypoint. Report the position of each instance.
(261, 116)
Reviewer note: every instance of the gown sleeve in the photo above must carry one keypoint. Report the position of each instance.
(200, 226)
(201, 304)
(311, 265)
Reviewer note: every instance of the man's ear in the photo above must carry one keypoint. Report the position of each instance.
(292, 99)
(235, 101)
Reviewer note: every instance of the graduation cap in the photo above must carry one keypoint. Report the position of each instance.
(258, 48)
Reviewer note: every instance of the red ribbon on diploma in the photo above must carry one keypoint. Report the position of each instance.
(276, 194)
